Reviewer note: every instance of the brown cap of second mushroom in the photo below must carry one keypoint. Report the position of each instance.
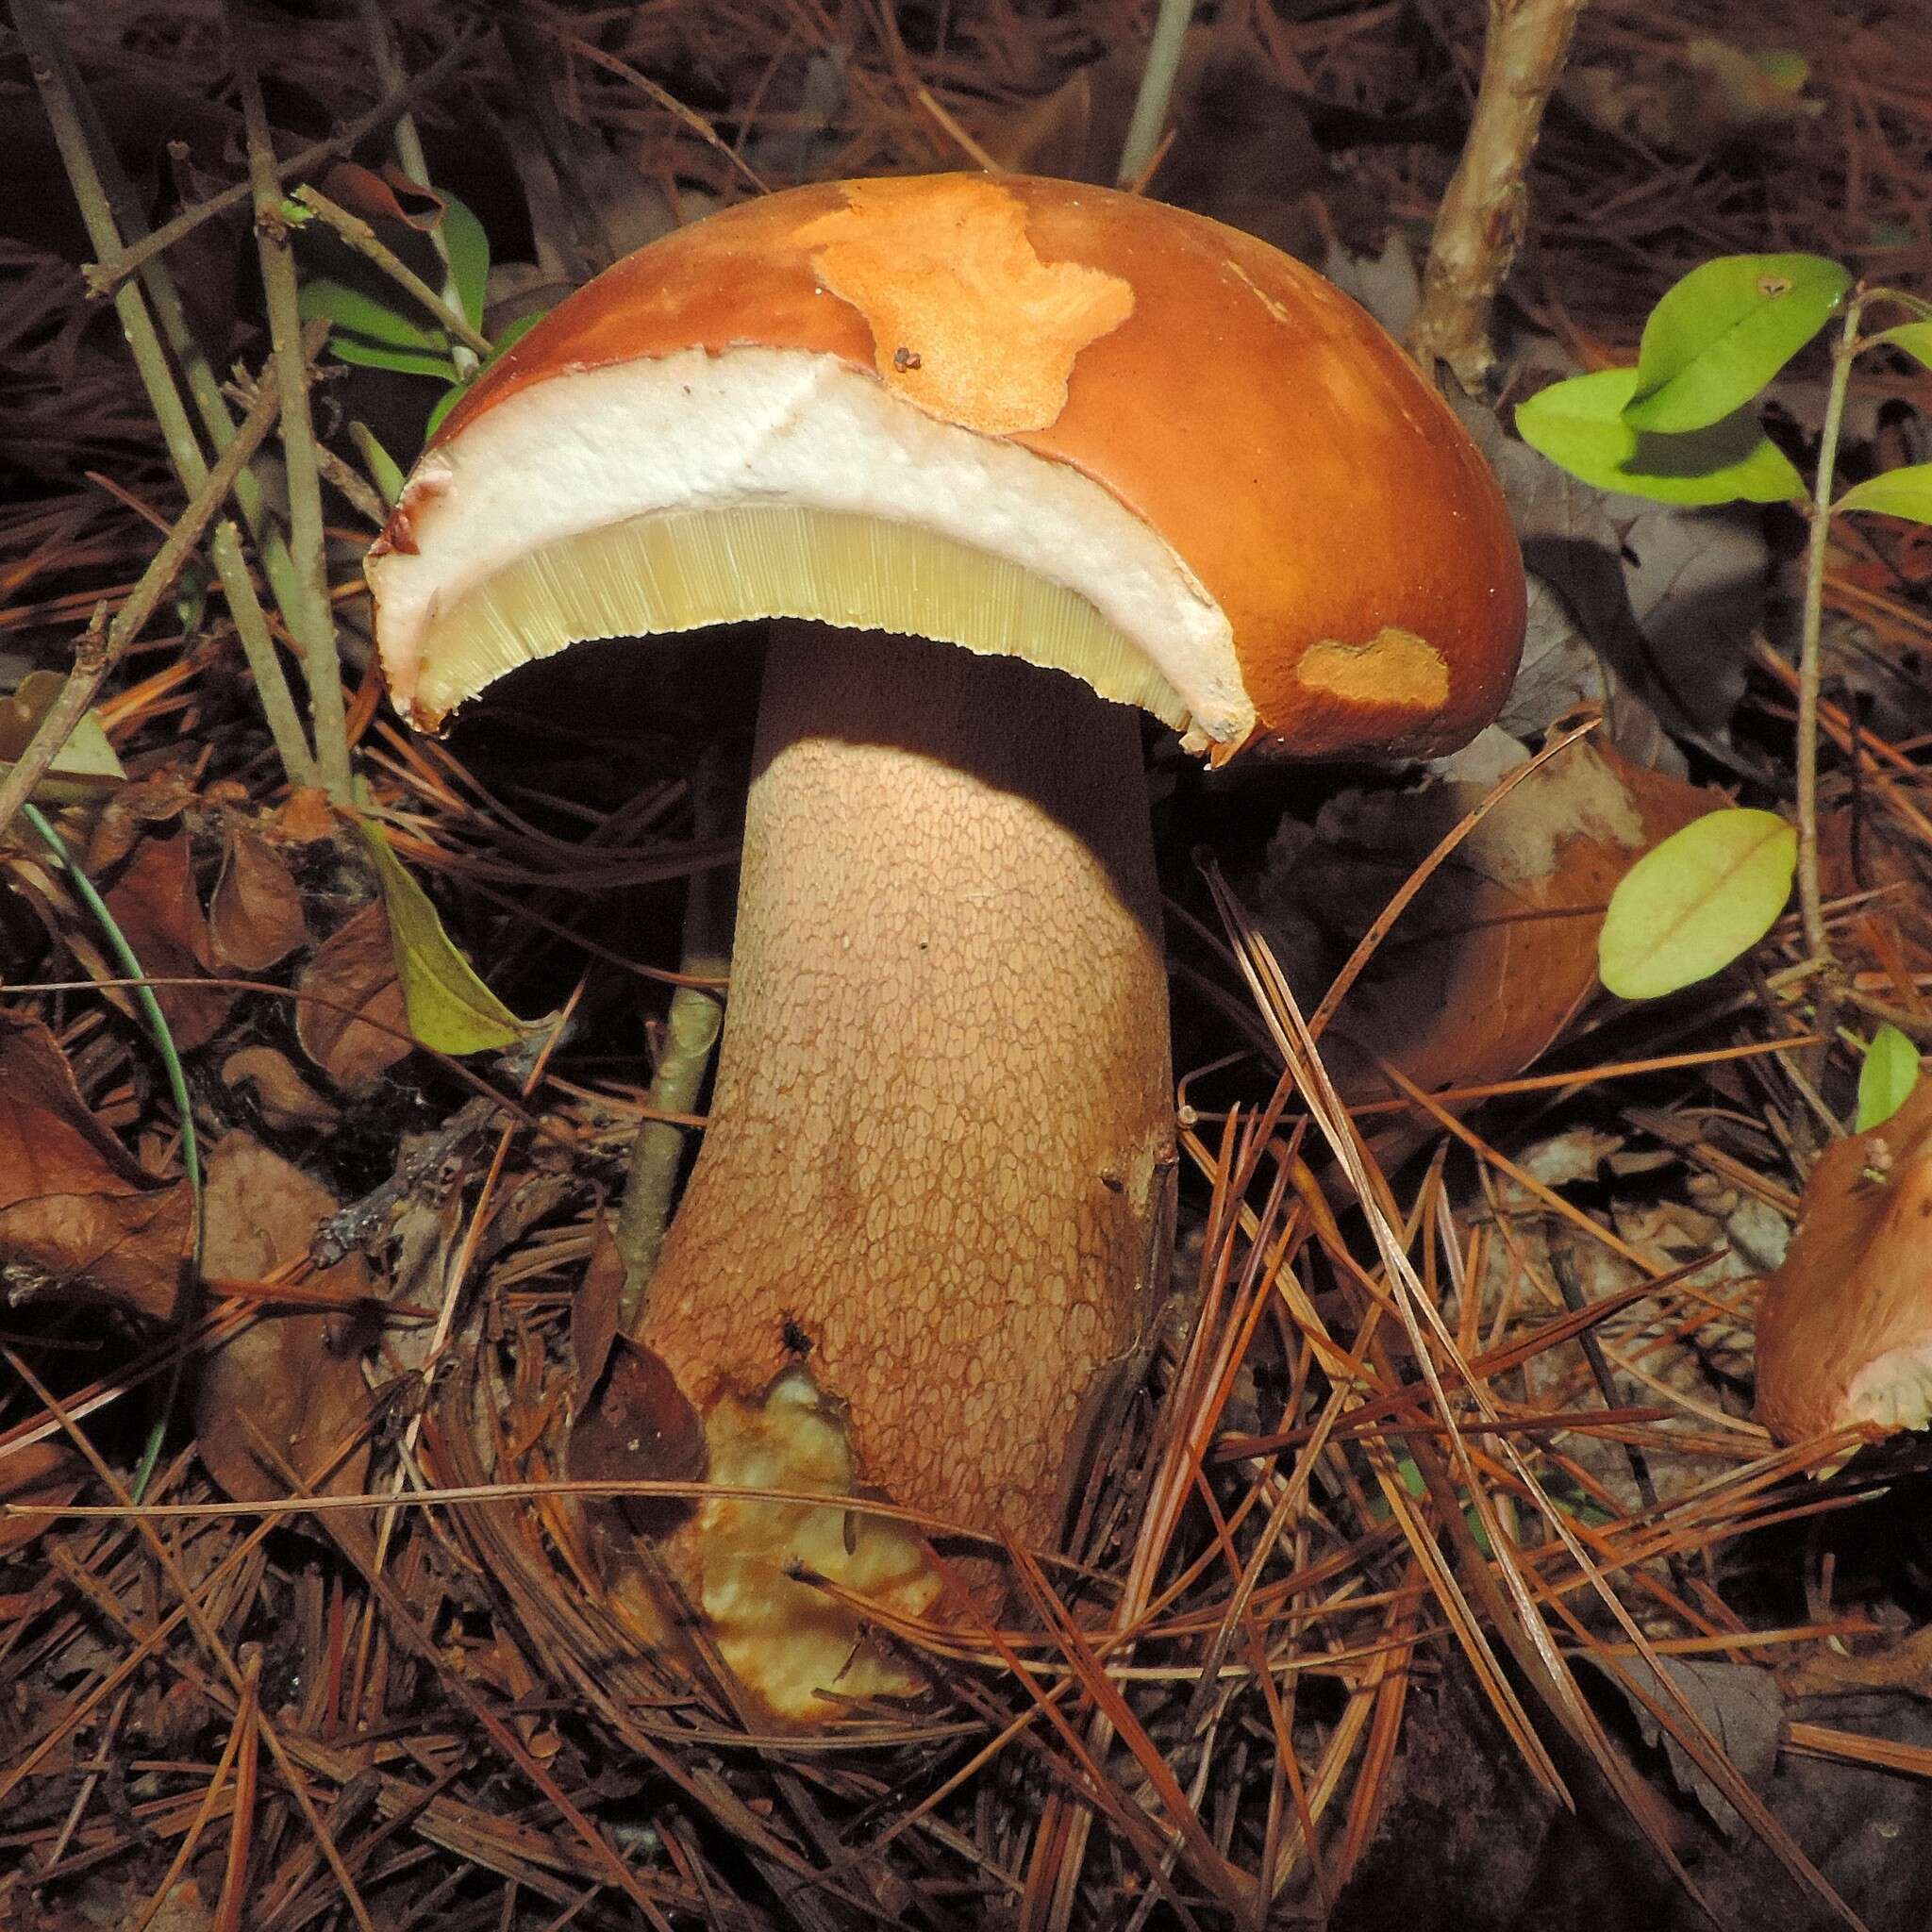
(1844, 1328)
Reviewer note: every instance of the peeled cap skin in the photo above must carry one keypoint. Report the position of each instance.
(1844, 1328)
(1307, 482)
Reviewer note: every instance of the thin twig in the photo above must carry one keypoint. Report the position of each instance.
(1480, 223)
(390, 71)
(103, 278)
(99, 651)
(365, 241)
(69, 115)
(312, 619)
(691, 1031)
(1811, 637)
(1157, 92)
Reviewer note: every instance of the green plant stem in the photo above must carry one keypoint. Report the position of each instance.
(100, 649)
(690, 1032)
(409, 145)
(311, 620)
(1156, 91)
(69, 118)
(1480, 223)
(103, 278)
(1810, 648)
(150, 1009)
(204, 389)
(366, 242)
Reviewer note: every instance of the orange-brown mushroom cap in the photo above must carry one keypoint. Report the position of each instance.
(1845, 1329)
(1279, 449)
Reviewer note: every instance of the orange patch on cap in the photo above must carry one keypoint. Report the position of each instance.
(1393, 667)
(968, 323)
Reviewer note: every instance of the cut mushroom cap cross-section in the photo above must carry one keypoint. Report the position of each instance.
(1045, 423)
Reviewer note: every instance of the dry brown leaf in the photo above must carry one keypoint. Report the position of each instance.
(1861, 852)
(354, 969)
(155, 904)
(636, 1428)
(76, 1209)
(127, 817)
(389, 197)
(288, 1383)
(307, 819)
(35, 1475)
(254, 917)
(287, 1100)
(1482, 974)
(1844, 1330)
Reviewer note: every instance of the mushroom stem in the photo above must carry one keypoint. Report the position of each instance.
(943, 1104)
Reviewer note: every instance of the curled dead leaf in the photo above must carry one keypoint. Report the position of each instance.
(388, 197)
(155, 904)
(76, 1211)
(287, 1100)
(1486, 969)
(289, 1387)
(306, 819)
(353, 973)
(1845, 1329)
(36, 1475)
(254, 917)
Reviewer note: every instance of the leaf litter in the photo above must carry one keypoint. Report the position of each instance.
(1228, 1700)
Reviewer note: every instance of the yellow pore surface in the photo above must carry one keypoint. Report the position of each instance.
(679, 571)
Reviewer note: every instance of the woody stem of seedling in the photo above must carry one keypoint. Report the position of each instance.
(1810, 900)
(409, 146)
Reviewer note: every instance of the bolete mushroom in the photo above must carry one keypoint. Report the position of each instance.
(1124, 457)
(1844, 1326)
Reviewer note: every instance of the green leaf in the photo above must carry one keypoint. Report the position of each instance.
(444, 404)
(1690, 905)
(1785, 70)
(469, 258)
(1914, 338)
(384, 471)
(374, 324)
(85, 767)
(449, 1009)
(1724, 331)
(1887, 1079)
(1906, 492)
(457, 390)
(1579, 425)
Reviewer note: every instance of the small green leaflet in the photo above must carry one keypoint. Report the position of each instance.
(1579, 424)
(83, 768)
(1724, 331)
(1906, 492)
(450, 1009)
(375, 324)
(384, 471)
(1690, 905)
(1914, 338)
(513, 333)
(1887, 1079)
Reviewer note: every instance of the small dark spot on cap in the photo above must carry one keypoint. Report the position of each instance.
(796, 1340)
(904, 360)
